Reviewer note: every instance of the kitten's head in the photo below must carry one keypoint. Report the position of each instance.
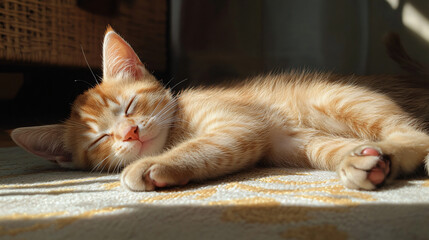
(125, 117)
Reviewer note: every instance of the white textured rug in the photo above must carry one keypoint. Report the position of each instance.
(40, 201)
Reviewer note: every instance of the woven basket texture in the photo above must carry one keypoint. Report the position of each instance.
(54, 32)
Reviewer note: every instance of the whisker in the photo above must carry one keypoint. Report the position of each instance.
(165, 85)
(182, 120)
(170, 123)
(166, 109)
(108, 170)
(165, 121)
(175, 85)
(83, 52)
(118, 166)
(99, 164)
(174, 98)
(171, 102)
(170, 119)
(114, 169)
(78, 80)
(156, 107)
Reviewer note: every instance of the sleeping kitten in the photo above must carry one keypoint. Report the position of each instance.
(299, 119)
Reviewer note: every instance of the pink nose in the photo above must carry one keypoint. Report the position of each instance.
(132, 134)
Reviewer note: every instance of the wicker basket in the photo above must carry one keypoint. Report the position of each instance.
(53, 31)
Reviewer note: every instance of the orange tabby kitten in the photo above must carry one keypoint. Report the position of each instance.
(300, 119)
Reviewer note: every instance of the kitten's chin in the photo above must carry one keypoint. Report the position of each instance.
(146, 147)
(153, 146)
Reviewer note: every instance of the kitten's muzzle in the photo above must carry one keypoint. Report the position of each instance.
(132, 134)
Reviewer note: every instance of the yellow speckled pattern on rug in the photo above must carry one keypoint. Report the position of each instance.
(38, 200)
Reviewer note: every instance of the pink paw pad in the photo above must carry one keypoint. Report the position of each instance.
(378, 173)
(159, 184)
(153, 182)
(370, 152)
(163, 184)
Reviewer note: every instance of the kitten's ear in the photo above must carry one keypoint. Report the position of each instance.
(119, 59)
(44, 141)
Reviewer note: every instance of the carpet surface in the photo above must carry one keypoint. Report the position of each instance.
(38, 200)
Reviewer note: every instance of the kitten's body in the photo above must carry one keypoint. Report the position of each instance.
(296, 119)
(324, 121)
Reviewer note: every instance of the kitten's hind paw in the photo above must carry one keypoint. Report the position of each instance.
(365, 168)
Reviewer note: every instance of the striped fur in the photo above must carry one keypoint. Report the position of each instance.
(296, 119)
(300, 119)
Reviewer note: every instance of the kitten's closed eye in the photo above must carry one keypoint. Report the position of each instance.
(130, 107)
(98, 140)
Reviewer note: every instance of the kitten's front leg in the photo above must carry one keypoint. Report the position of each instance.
(148, 173)
(208, 156)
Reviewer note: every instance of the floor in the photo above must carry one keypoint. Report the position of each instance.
(41, 201)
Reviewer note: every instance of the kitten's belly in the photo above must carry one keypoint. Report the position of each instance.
(286, 149)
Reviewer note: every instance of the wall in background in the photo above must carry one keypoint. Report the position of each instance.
(213, 40)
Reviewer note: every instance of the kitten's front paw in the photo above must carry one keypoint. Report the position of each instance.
(365, 168)
(137, 178)
(146, 176)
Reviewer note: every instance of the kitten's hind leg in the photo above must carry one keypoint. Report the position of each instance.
(360, 164)
(407, 148)
(365, 167)
(365, 164)
(400, 152)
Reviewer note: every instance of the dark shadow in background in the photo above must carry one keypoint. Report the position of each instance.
(45, 95)
(216, 40)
